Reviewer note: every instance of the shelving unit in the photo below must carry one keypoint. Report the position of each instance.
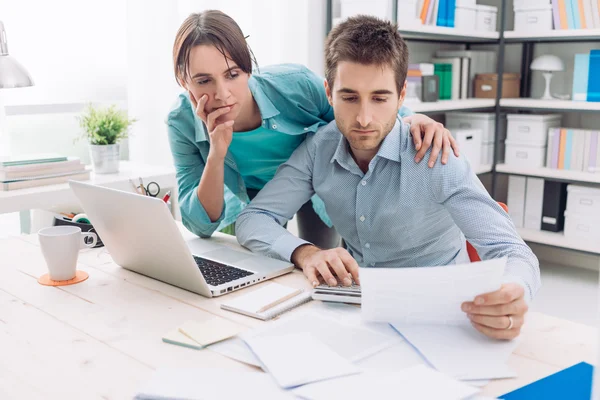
(558, 240)
(435, 34)
(451, 105)
(442, 34)
(552, 174)
(559, 35)
(550, 105)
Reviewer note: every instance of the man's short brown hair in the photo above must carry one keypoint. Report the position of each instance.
(369, 41)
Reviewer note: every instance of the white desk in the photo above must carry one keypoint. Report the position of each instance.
(103, 336)
(55, 196)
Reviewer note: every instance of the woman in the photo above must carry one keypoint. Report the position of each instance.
(232, 129)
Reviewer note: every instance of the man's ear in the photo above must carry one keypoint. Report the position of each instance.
(328, 92)
(402, 96)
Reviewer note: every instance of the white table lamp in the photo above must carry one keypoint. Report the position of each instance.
(12, 75)
(547, 64)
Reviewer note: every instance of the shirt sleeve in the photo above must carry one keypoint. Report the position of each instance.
(189, 166)
(260, 226)
(484, 223)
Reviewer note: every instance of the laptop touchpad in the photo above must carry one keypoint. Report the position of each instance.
(226, 256)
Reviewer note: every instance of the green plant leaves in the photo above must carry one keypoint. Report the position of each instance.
(104, 126)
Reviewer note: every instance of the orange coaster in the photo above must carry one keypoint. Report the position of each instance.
(80, 276)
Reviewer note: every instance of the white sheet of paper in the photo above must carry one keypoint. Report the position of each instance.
(461, 351)
(297, 359)
(209, 383)
(236, 349)
(413, 383)
(352, 342)
(426, 295)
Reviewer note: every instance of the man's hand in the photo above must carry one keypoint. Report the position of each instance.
(499, 314)
(325, 263)
(427, 132)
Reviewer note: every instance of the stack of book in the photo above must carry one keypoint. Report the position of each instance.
(576, 14)
(573, 149)
(457, 71)
(40, 170)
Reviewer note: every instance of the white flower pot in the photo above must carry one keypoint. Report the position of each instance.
(105, 158)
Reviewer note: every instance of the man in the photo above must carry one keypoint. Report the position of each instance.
(390, 211)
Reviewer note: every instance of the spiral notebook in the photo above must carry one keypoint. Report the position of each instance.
(268, 301)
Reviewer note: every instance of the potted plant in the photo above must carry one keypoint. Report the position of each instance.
(105, 128)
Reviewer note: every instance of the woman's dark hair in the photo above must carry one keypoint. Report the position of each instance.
(211, 27)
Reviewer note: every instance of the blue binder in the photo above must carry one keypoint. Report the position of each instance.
(442, 17)
(593, 89)
(450, 12)
(573, 383)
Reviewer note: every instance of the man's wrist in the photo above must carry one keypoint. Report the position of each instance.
(302, 252)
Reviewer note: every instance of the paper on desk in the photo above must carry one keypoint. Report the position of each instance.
(209, 383)
(236, 349)
(426, 295)
(351, 341)
(300, 358)
(461, 351)
(210, 331)
(413, 383)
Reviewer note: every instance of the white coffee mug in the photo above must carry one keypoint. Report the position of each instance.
(60, 246)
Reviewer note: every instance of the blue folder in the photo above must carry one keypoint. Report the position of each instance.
(573, 383)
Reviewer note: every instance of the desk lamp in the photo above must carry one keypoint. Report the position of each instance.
(12, 75)
(547, 64)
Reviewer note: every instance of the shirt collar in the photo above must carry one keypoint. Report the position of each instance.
(266, 107)
(390, 147)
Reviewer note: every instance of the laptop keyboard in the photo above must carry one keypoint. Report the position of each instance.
(217, 274)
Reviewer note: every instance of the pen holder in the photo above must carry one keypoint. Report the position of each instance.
(60, 220)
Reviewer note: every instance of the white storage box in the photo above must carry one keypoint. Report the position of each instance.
(525, 155)
(469, 141)
(534, 203)
(583, 200)
(516, 199)
(377, 8)
(486, 18)
(533, 18)
(465, 16)
(470, 120)
(531, 129)
(582, 227)
(487, 153)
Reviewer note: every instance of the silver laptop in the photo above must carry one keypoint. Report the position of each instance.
(141, 235)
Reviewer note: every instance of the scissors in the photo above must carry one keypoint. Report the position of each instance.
(152, 189)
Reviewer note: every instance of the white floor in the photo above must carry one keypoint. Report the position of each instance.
(567, 292)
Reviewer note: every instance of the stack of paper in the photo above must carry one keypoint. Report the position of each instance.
(413, 383)
(209, 383)
(297, 359)
(461, 351)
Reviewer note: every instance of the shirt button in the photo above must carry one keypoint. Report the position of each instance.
(306, 128)
(362, 218)
(368, 245)
(274, 126)
(363, 183)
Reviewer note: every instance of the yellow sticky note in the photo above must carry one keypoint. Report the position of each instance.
(178, 338)
(210, 331)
